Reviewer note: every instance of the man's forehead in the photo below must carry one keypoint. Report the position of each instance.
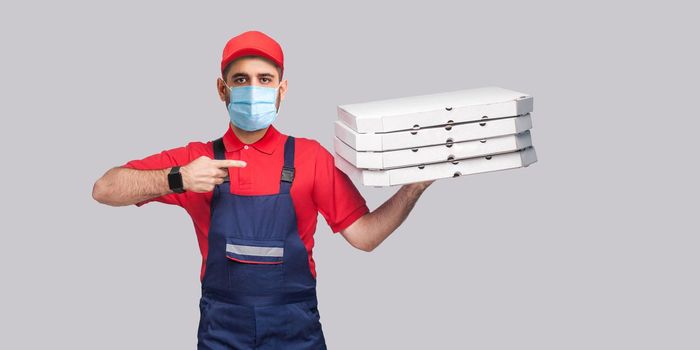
(253, 63)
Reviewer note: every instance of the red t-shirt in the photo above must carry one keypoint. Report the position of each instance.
(318, 185)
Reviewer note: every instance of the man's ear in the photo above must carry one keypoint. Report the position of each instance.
(222, 90)
(283, 89)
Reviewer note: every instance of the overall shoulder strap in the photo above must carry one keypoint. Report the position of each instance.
(287, 175)
(220, 152)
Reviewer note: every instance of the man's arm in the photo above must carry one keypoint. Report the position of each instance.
(370, 230)
(122, 186)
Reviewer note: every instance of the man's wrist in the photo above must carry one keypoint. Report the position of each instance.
(417, 188)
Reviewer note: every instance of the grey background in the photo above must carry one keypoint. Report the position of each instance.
(593, 247)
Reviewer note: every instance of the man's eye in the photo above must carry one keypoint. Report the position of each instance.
(265, 80)
(240, 80)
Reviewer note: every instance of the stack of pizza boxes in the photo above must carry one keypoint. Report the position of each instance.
(429, 137)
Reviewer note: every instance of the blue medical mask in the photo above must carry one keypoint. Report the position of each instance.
(252, 107)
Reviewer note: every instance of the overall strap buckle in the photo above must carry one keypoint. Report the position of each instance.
(288, 166)
(287, 174)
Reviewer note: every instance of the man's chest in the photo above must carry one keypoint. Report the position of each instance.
(262, 175)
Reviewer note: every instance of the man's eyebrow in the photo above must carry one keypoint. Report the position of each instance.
(239, 75)
(245, 75)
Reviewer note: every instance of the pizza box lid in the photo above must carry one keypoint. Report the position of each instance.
(434, 109)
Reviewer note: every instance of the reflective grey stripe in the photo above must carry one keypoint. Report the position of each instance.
(255, 251)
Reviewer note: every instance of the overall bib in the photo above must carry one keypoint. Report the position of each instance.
(257, 288)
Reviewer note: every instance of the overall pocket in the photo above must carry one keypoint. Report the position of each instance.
(255, 267)
(255, 251)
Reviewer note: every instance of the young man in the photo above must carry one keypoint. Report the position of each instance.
(254, 196)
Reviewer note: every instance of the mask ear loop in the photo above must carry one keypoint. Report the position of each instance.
(229, 92)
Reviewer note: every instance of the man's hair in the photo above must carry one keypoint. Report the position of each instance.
(228, 66)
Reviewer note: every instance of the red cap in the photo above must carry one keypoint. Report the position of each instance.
(253, 43)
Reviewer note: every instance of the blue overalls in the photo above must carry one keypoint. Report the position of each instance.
(257, 288)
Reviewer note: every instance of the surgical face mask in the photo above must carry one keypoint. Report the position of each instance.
(252, 107)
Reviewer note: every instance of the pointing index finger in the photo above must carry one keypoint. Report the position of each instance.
(226, 163)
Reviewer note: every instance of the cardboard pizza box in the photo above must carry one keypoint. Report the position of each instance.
(401, 176)
(438, 135)
(432, 154)
(445, 108)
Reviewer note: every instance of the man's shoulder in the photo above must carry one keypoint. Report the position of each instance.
(200, 147)
(179, 155)
(306, 142)
(308, 146)
(194, 149)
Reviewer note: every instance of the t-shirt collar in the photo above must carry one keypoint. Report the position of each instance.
(266, 144)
